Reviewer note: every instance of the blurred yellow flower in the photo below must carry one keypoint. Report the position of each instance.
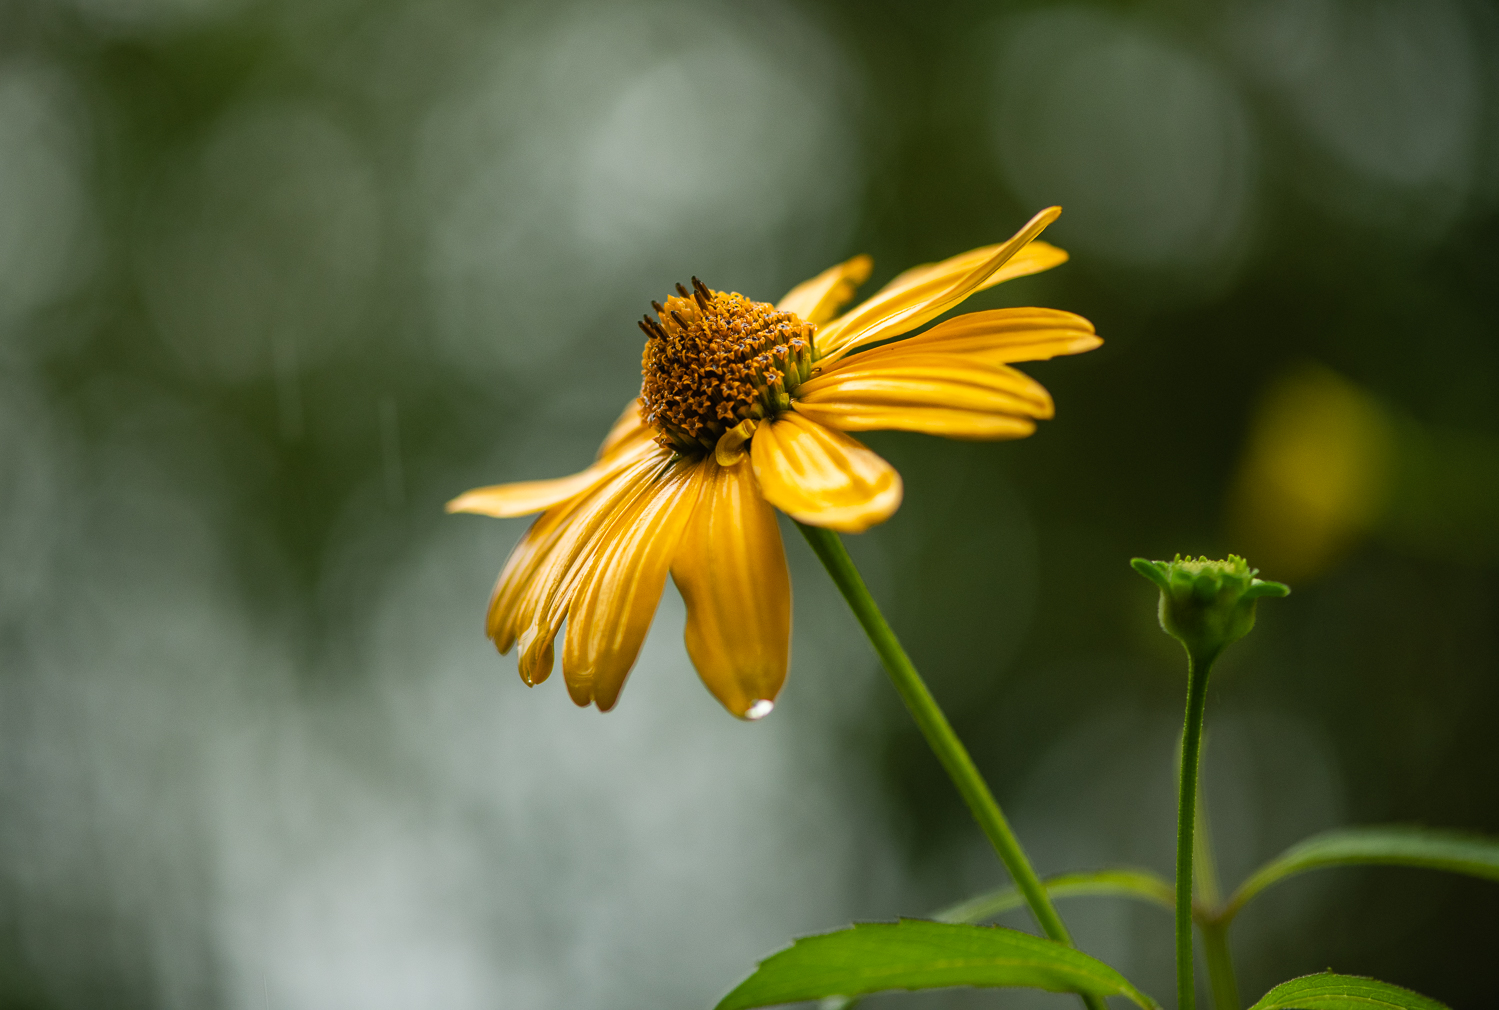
(1315, 475)
(745, 408)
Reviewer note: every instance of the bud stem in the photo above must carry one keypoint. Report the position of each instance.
(1198, 669)
(1220, 965)
(939, 734)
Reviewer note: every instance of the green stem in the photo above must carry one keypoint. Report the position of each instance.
(1220, 963)
(1186, 819)
(1220, 966)
(938, 732)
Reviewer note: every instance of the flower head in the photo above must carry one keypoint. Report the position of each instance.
(746, 407)
(715, 360)
(1207, 605)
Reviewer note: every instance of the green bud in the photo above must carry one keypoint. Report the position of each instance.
(1207, 605)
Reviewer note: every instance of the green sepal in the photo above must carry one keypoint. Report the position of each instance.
(918, 954)
(1343, 992)
(1207, 605)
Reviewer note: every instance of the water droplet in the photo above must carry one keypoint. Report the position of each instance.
(760, 709)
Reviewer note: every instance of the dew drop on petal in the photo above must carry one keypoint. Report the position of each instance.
(760, 709)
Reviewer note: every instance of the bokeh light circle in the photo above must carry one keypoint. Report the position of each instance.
(582, 158)
(259, 245)
(1144, 143)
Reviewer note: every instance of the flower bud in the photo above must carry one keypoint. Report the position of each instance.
(1207, 605)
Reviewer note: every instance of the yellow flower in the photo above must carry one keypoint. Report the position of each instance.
(745, 408)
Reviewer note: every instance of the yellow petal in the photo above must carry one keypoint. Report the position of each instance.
(731, 570)
(731, 448)
(901, 378)
(524, 497)
(617, 596)
(626, 443)
(823, 477)
(946, 422)
(928, 292)
(819, 299)
(1033, 259)
(1000, 336)
(534, 664)
(541, 602)
(528, 554)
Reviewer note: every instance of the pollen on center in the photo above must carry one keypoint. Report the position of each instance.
(713, 359)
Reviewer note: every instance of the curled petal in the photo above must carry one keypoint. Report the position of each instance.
(731, 570)
(731, 447)
(616, 597)
(823, 477)
(819, 299)
(927, 292)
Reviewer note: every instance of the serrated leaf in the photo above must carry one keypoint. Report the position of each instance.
(1343, 992)
(1125, 882)
(1392, 845)
(918, 954)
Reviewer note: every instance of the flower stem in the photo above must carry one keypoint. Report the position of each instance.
(938, 732)
(1186, 819)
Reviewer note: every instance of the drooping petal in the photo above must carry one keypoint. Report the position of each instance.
(927, 293)
(998, 336)
(819, 299)
(823, 477)
(628, 440)
(531, 613)
(527, 555)
(731, 570)
(616, 598)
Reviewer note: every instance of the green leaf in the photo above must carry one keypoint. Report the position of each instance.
(1392, 845)
(1343, 992)
(917, 954)
(1124, 882)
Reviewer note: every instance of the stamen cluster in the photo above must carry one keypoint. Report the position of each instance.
(713, 359)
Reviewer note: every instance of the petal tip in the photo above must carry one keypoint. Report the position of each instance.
(1036, 225)
(459, 504)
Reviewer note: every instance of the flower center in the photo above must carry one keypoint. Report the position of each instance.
(713, 359)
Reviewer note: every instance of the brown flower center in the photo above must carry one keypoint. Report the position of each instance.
(713, 359)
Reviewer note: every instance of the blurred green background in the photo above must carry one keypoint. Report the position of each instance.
(279, 277)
